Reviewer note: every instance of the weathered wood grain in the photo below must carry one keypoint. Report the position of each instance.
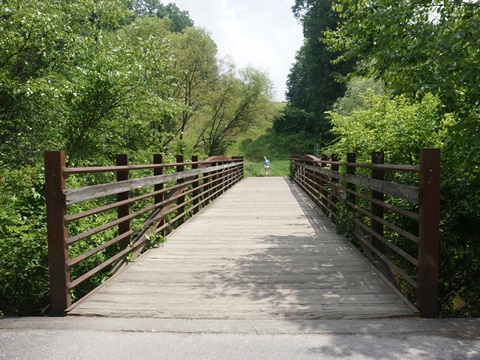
(73, 196)
(406, 192)
(260, 251)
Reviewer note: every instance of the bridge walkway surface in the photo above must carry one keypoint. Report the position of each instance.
(261, 251)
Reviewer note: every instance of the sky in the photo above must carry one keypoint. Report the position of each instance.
(259, 33)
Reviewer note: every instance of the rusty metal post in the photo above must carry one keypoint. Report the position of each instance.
(213, 182)
(205, 189)
(291, 168)
(298, 171)
(324, 197)
(429, 233)
(222, 180)
(304, 176)
(377, 210)
(242, 168)
(311, 182)
(351, 158)
(195, 185)
(232, 172)
(301, 173)
(57, 232)
(224, 177)
(123, 211)
(235, 170)
(158, 159)
(180, 168)
(218, 180)
(335, 198)
(230, 177)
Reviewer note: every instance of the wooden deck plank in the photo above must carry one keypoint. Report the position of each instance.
(260, 251)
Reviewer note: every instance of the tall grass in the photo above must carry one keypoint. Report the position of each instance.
(277, 168)
(262, 141)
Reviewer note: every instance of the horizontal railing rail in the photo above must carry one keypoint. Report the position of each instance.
(396, 224)
(97, 228)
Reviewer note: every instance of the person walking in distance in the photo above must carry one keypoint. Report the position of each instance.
(266, 165)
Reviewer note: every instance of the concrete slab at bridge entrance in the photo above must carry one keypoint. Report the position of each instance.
(261, 251)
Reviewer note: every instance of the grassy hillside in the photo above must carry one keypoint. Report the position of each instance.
(278, 168)
(261, 141)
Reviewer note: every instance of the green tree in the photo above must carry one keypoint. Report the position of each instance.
(397, 126)
(180, 19)
(356, 95)
(314, 84)
(142, 76)
(196, 71)
(119, 95)
(42, 44)
(236, 104)
(414, 47)
(298, 82)
(293, 127)
(319, 77)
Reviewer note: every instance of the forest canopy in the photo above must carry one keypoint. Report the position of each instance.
(98, 78)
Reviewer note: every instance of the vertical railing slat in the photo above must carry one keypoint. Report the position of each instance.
(335, 198)
(158, 160)
(122, 211)
(180, 168)
(322, 187)
(377, 210)
(195, 185)
(351, 158)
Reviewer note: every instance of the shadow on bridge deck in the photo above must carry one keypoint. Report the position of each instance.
(259, 252)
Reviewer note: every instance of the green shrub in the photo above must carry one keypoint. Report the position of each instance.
(400, 128)
(24, 289)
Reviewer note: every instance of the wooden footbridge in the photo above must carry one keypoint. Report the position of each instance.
(263, 249)
(260, 251)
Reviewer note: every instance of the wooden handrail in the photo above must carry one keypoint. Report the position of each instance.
(413, 253)
(145, 207)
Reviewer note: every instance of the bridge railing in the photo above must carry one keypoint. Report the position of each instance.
(395, 224)
(99, 228)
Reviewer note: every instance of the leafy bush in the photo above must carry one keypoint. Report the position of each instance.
(23, 243)
(396, 126)
(401, 128)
